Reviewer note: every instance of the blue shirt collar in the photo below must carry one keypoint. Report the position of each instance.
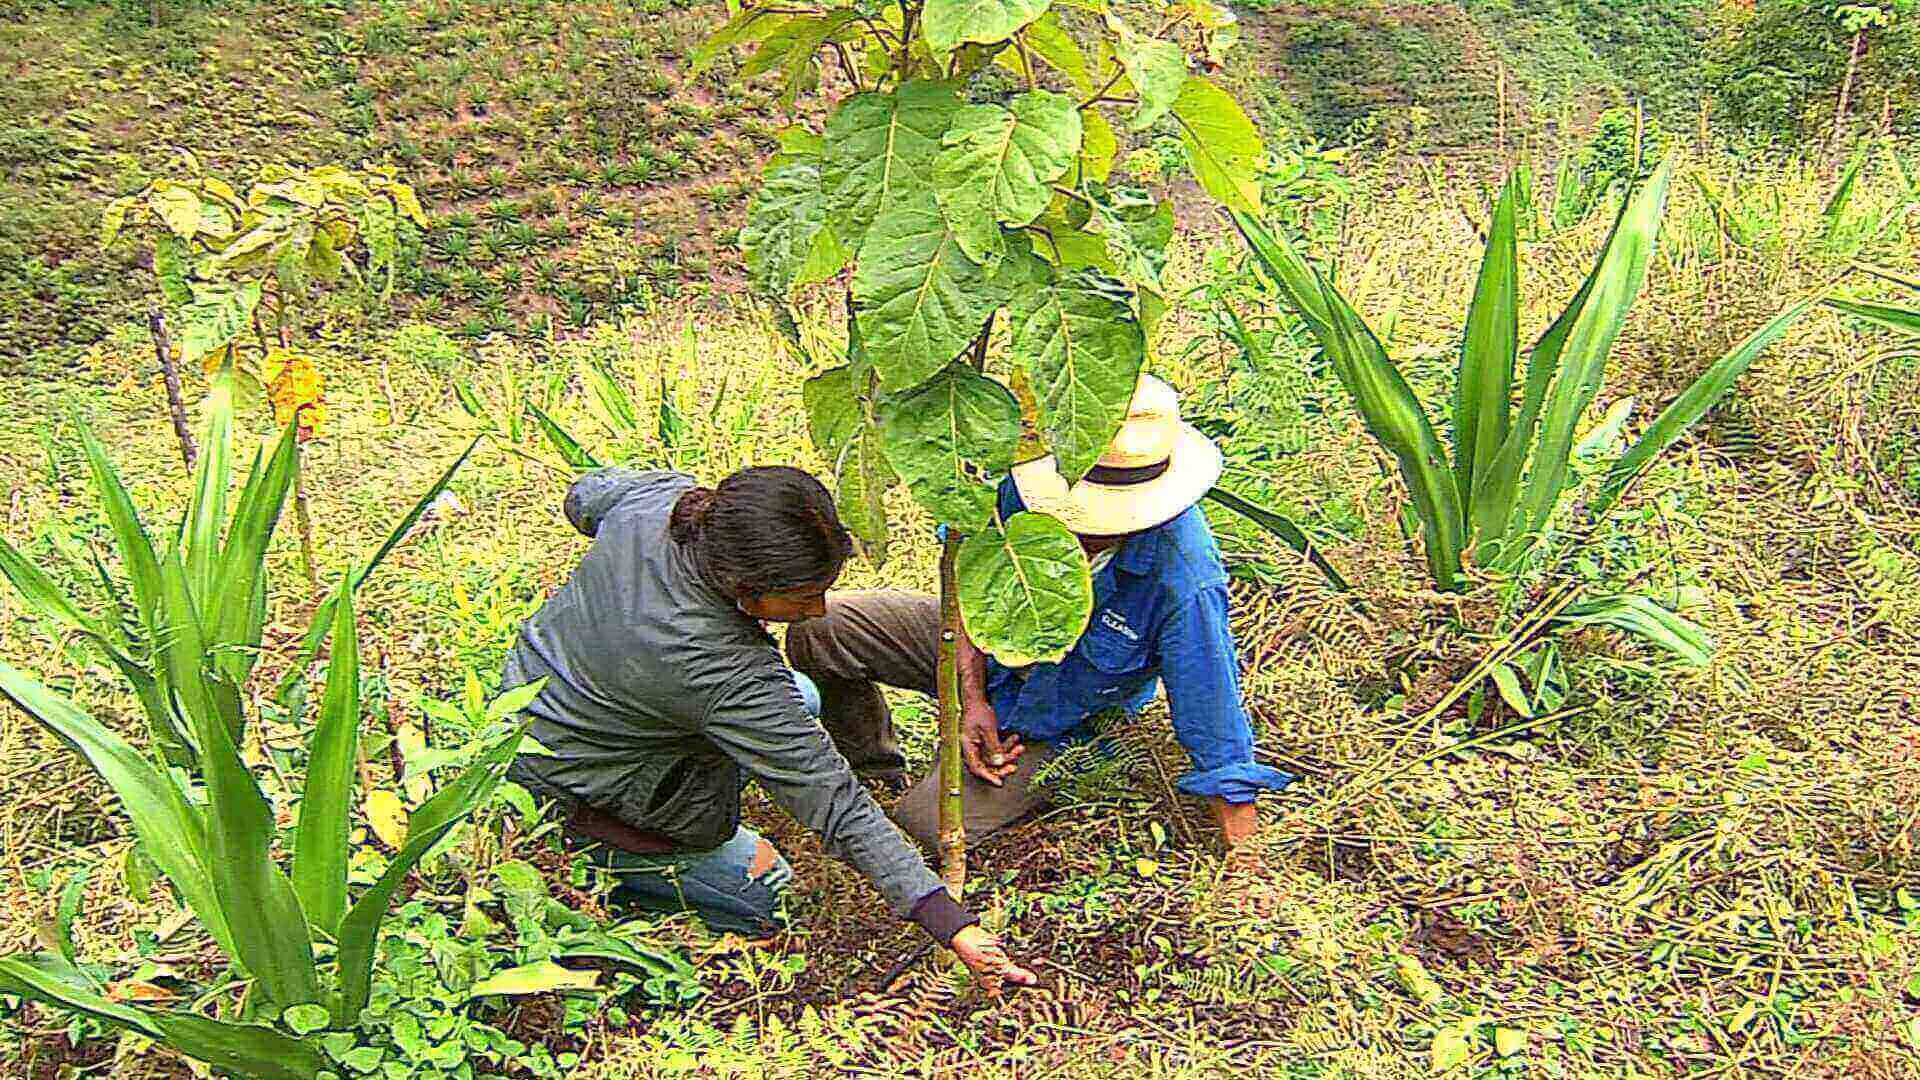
(1140, 553)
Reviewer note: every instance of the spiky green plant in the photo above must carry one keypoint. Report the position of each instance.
(1509, 468)
(303, 944)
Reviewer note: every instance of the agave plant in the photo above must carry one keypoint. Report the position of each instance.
(297, 936)
(1509, 469)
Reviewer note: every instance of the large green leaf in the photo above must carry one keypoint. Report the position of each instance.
(918, 299)
(950, 23)
(1082, 350)
(269, 932)
(996, 165)
(320, 844)
(880, 151)
(1047, 40)
(1098, 145)
(1385, 402)
(42, 595)
(426, 827)
(220, 312)
(1693, 403)
(1488, 349)
(1583, 354)
(171, 831)
(1025, 590)
(786, 237)
(1223, 147)
(946, 438)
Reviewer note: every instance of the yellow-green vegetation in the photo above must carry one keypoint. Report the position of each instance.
(1512, 853)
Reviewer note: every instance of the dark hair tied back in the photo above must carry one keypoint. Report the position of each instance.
(690, 515)
(762, 530)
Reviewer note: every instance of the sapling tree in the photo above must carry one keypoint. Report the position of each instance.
(1001, 286)
(233, 272)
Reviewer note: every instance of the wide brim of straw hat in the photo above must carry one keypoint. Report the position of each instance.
(1094, 509)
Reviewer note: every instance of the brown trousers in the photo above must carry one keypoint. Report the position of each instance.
(870, 639)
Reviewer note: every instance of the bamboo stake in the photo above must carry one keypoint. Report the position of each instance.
(953, 827)
(176, 404)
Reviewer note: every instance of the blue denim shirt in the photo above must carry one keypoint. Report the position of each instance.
(1159, 613)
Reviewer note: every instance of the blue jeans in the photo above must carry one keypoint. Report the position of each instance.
(736, 887)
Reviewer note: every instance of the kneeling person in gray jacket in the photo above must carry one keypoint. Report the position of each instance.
(665, 695)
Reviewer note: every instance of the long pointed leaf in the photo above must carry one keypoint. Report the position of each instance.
(1280, 526)
(323, 619)
(40, 592)
(1488, 350)
(426, 827)
(570, 449)
(1385, 402)
(249, 1050)
(320, 846)
(52, 980)
(1693, 403)
(1584, 354)
(171, 831)
(270, 933)
(207, 510)
(142, 566)
(1497, 488)
(235, 628)
(1898, 319)
(1644, 619)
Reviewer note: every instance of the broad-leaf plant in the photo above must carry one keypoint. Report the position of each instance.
(233, 271)
(1002, 284)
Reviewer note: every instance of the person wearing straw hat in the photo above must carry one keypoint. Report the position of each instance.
(1159, 617)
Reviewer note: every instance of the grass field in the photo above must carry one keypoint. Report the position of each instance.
(1679, 871)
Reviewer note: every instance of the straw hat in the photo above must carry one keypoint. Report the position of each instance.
(1154, 469)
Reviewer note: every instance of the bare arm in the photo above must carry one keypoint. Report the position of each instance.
(988, 756)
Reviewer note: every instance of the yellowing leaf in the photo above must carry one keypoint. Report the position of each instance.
(114, 217)
(1146, 867)
(1415, 980)
(1509, 1041)
(407, 202)
(388, 817)
(537, 978)
(178, 206)
(293, 385)
(1451, 1047)
(413, 744)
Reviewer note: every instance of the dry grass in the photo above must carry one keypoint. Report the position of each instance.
(1690, 872)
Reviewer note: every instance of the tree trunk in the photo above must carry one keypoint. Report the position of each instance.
(953, 828)
(1845, 105)
(176, 404)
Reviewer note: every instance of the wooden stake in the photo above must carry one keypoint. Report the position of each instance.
(170, 375)
(953, 826)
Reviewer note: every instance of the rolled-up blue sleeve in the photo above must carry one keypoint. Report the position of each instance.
(1201, 670)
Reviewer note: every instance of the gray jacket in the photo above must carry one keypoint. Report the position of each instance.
(663, 698)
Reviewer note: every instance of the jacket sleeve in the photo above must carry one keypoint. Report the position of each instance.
(593, 496)
(758, 721)
(1201, 670)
